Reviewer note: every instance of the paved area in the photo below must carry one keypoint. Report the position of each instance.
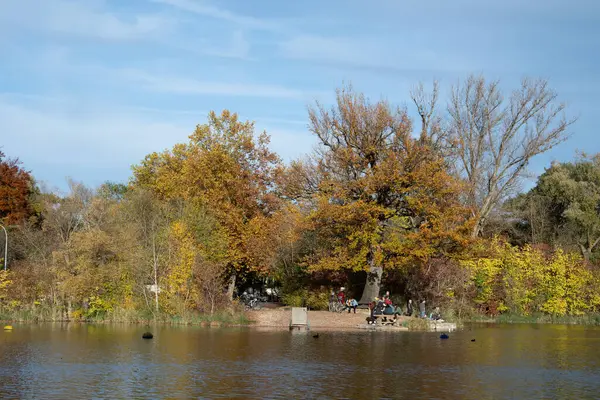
(280, 318)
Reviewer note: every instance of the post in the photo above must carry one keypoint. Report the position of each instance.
(5, 246)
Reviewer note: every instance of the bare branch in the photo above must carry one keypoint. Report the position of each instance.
(496, 140)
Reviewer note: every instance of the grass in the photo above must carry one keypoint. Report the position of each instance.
(47, 314)
(538, 318)
(417, 324)
(30, 315)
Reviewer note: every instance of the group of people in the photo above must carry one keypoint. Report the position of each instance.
(340, 303)
(383, 305)
(435, 315)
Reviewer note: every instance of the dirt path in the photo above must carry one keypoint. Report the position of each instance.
(280, 318)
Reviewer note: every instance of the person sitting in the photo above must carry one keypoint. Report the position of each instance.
(436, 315)
(388, 309)
(398, 311)
(379, 306)
(351, 304)
(386, 298)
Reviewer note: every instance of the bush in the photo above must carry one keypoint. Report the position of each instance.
(525, 281)
(315, 300)
(418, 324)
(318, 301)
(296, 298)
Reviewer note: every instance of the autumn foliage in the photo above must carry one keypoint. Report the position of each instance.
(16, 187)
(385, 200)
(230, 172)
(377, 205)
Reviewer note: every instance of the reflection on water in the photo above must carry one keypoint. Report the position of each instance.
(68, 361)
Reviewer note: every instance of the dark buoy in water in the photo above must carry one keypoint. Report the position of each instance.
(444, 336)
(316, 335)
(472, 340)
(147, 335)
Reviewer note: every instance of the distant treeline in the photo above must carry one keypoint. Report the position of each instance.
(428, 209)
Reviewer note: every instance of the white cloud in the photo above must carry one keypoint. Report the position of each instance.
(83, 18)
(95, 19)
(332, 49)
(238, 47)
(56, 61)
(59, 64)
(367, 52)
(176, 85)
(59, 138)
(179, 85)
(203, 8)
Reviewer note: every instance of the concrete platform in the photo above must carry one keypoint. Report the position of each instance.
(442, 326)
(433, 327)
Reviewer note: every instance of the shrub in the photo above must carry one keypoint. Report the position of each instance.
(525, 281)
(418, 324)
(296, 298)
(318, 300)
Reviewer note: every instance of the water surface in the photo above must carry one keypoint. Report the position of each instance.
(71, 361)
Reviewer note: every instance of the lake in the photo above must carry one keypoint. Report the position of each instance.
(71, 361)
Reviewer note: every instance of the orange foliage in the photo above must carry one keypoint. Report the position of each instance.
(15, 191)
(230, 172)
(384, 199)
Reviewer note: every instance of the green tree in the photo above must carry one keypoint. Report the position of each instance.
(567, 201)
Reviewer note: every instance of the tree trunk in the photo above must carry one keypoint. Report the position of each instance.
(476, 229)
(482, 215)
(372, 285)
(155, 267)
(231, 286)
(585, 252)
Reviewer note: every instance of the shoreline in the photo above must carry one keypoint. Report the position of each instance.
(279, 318)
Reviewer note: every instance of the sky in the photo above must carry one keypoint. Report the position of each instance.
(89, 87)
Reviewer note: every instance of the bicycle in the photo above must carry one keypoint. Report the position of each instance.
(253, 304)
(337, 307)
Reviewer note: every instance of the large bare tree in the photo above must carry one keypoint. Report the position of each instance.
(495, 138)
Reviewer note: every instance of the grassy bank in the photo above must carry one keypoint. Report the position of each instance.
(221, 318)
(588, 319)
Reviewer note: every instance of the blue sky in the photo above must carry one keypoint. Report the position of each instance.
(89, 87)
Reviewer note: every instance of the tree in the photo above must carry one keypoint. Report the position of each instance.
(433, 132)
(88, 270)
(567, 198)
(16, 188)
(232, 173)
(63, 216)
(147, 220)
(495, 139)
(91, 247)
(384, 199)
(112, 190)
